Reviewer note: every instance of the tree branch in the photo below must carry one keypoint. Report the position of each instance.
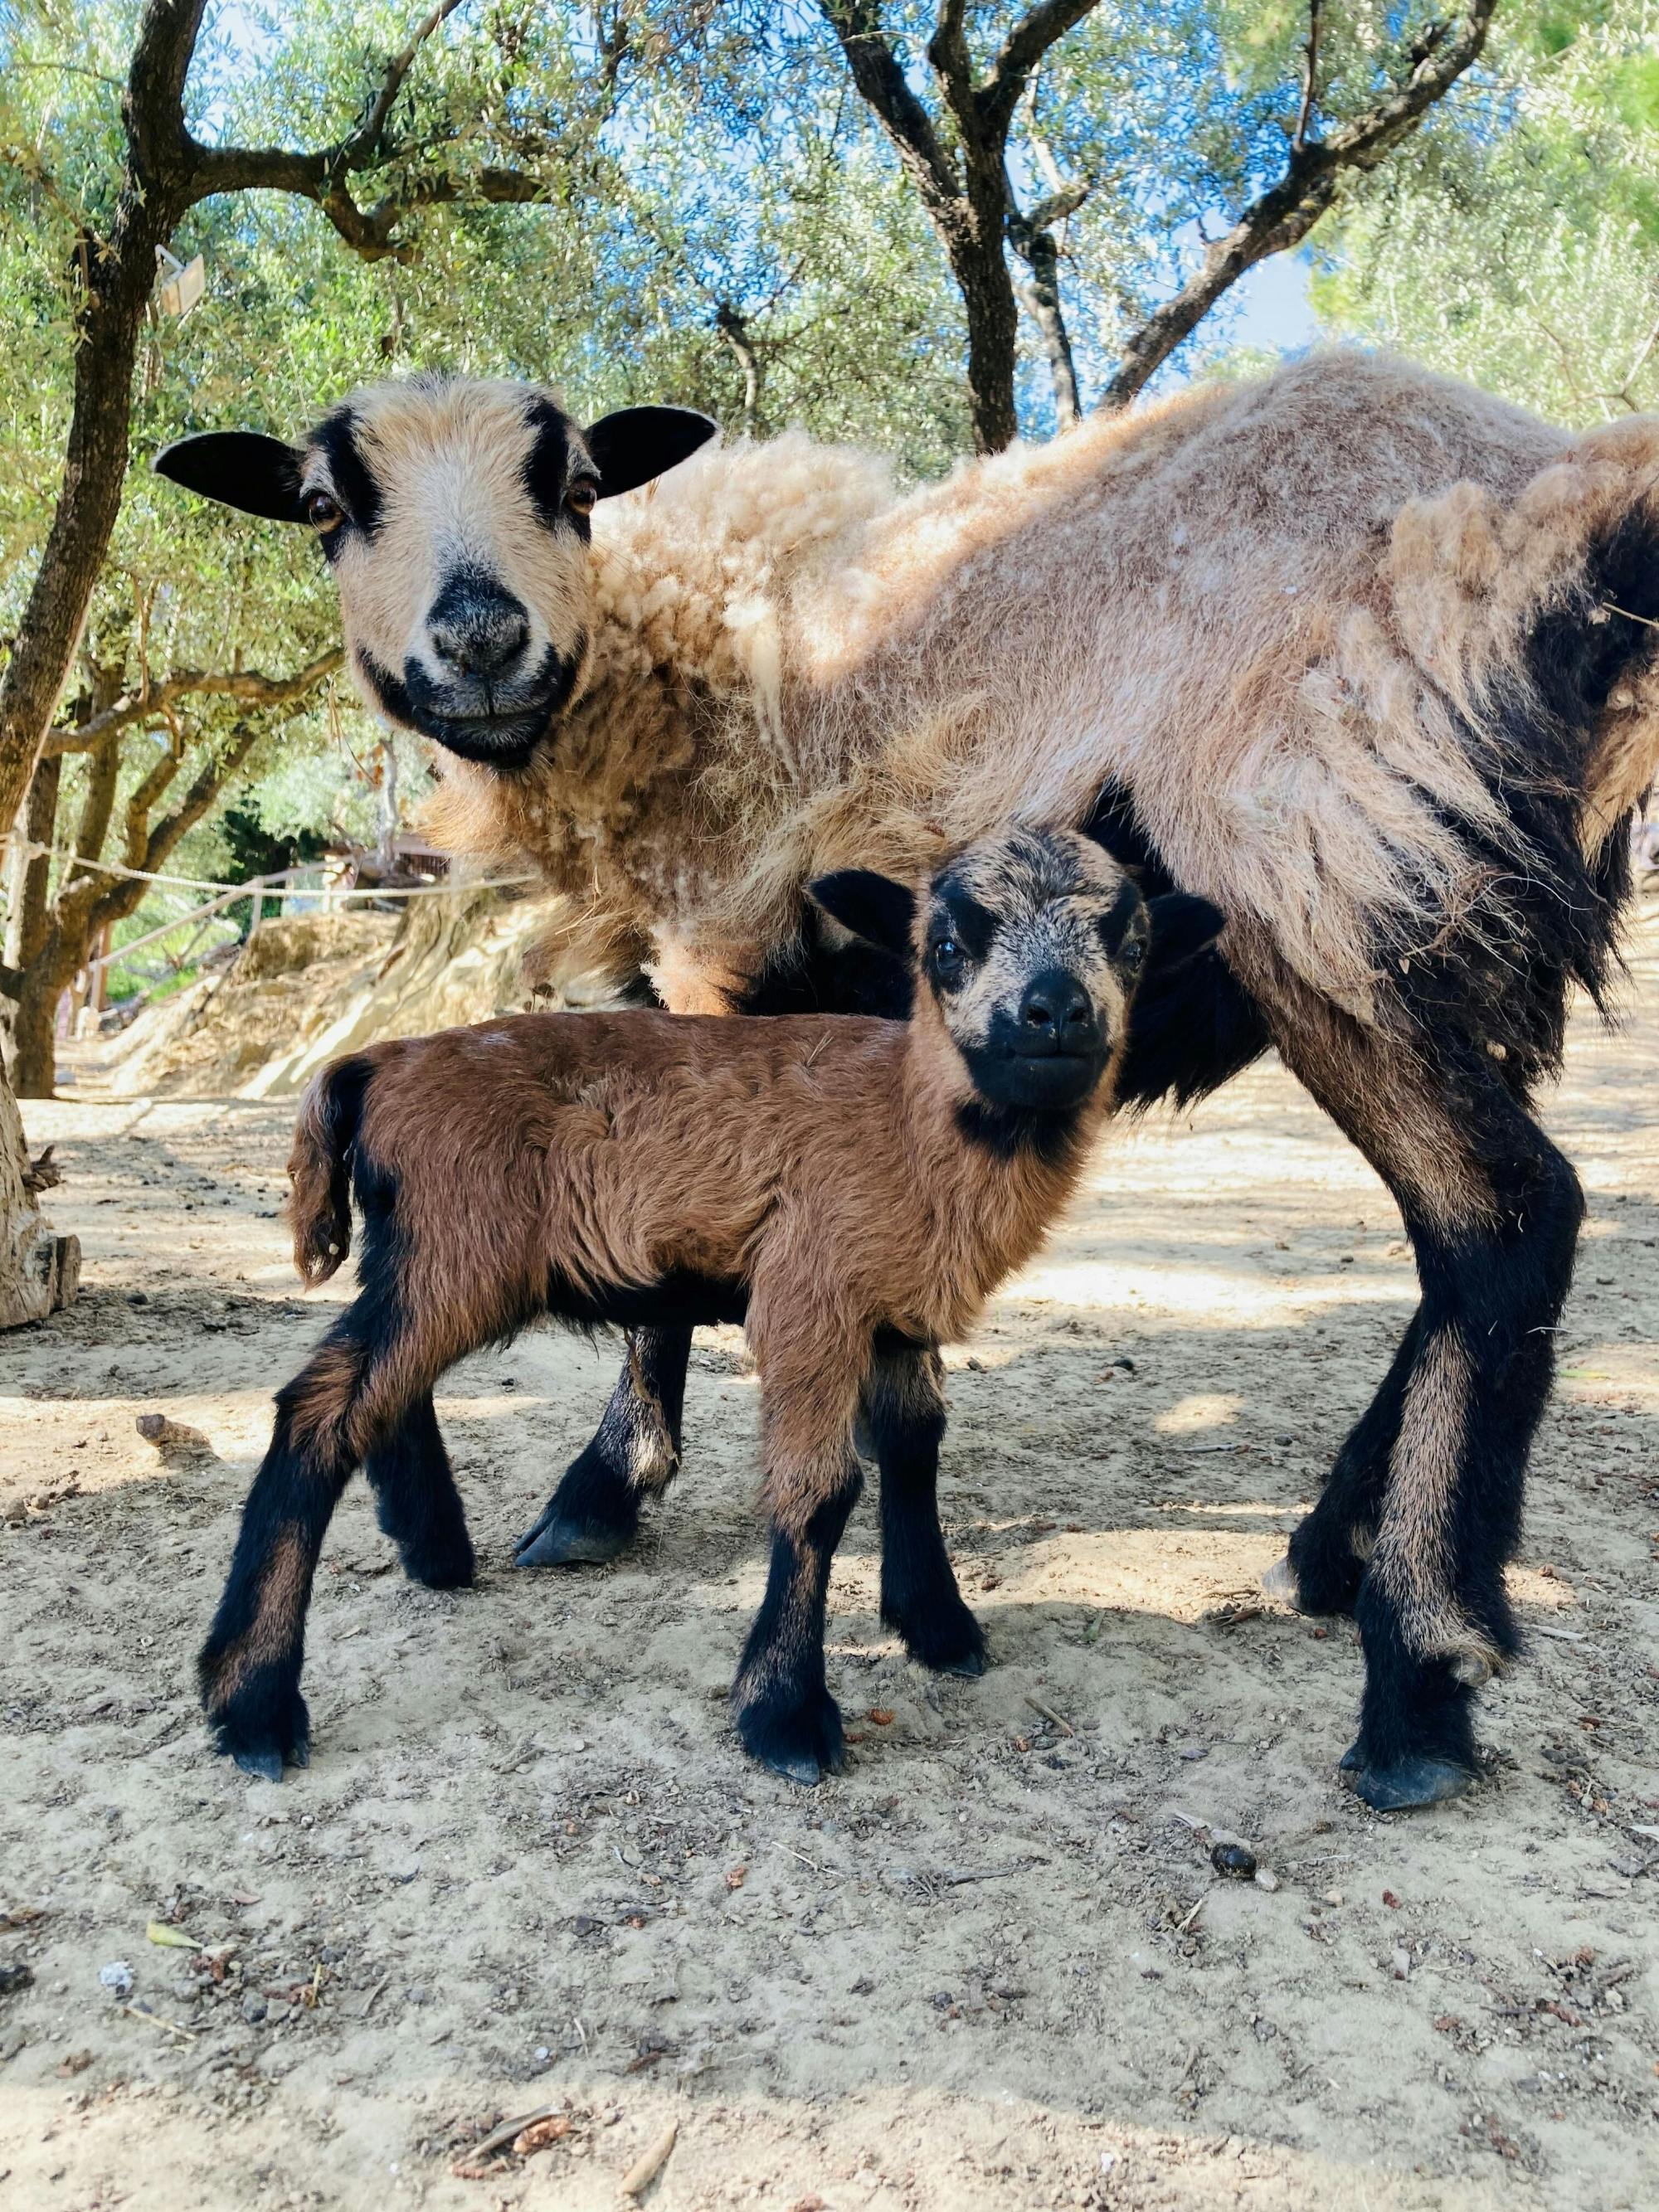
(247, 685)
(363, 145)
(1309, 77)
(1284, 214)
(1025, 47)
(881, 80)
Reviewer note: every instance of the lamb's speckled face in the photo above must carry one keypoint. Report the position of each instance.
(454, 515)
(1031, 945)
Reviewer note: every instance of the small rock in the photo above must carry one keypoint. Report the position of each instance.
(1229, 1857)
(117, 1976)
(14, 1976)
(1196, 1751)
(416, 1994)
(1402, 1962)
(1332, 1897)
(1266, 1878)
(254, 2008)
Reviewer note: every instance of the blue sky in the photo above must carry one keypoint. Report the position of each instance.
(1275, 315)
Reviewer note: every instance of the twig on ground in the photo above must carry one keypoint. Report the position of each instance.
(645, 2168)
(1054, 1719)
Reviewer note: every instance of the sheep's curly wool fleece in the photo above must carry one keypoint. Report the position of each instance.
(1287, 617)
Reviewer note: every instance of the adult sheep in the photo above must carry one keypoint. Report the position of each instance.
(1359, 654)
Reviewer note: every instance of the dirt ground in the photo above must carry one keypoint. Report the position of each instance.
(528, 1872)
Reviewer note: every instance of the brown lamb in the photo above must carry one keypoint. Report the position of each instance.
(851, 1189)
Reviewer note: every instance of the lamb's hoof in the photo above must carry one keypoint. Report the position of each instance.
(1280, 1581)
(439, 1567)
(1410, 1784)
(263, 1731)
(941, 1633)
(801, 1742)
(555, 1541)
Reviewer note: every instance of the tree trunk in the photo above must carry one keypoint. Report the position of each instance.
(988, 295)
(1042, 299)
(38, 1271)
(34, 1043)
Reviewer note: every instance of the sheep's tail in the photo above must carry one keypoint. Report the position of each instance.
(320, 1168)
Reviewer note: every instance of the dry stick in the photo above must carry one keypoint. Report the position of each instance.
(498, 2138)
(370, 2001)
(645, 2168)
(1048, 1714)
(141, 2012)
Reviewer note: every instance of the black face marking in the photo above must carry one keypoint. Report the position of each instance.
(355, 488)
(1124, 909)
(502, 738)
(972, 925)
(557, 461)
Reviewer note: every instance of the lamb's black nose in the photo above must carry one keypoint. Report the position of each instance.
(478, 628)
(1056, 1014)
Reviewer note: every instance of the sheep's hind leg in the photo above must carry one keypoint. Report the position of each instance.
(903, 1411)
(249, 1667)
(417, 1504)
(1493, 1210)
(594, 1514)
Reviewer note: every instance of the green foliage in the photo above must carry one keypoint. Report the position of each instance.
(1516, 242)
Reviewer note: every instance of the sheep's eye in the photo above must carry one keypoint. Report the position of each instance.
(580, 497)
(323, 513)
(1133, 955)
(947, 956)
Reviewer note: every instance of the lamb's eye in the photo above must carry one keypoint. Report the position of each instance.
(947, 956)
(323, 513)
(1133, 955)
(582, 496)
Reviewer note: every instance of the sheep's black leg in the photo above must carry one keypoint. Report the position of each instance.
(1494, 1212)
(417, 1503)
(1328, 1553)
(903, 1410)
(784, 1713)
(594, 1513)
(249, 1667)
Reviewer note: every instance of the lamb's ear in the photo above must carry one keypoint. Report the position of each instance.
(238, 468)
(1182, 926)
(875, 907)
(637, 443)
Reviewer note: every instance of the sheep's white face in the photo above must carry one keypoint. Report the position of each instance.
(454, 515)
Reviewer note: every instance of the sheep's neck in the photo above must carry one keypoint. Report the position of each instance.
(988, 1211)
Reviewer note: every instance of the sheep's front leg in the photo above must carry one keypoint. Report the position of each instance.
(784, 1713)
(635, 1452)
(903, 1409)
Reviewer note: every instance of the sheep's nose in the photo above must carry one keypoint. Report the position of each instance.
(476, 627)
(1056, 1014)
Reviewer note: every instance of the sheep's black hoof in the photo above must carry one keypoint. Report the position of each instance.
(1409, 1784)
(1314, 1581)
(801, 1740)
(556, 1540)
(946, 1637)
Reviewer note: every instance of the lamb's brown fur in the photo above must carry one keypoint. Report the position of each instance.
(823, 1176)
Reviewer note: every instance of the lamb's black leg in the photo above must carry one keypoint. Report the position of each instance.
(594, 1513)
(1494, 1212)
(903, 1410)
(417, 1503)
(249, 1667)
(1328, 1553)
(784, 1713)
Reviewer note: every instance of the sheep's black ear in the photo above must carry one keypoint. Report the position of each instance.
(238, 468)
(637, 443)
(874, 908)
(1182, 926)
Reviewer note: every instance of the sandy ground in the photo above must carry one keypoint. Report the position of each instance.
(991, 1966)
